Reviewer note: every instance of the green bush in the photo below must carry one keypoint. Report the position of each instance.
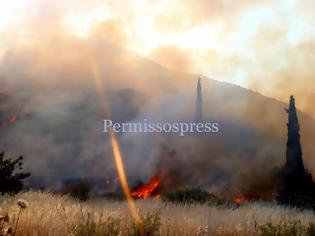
(113, 196)
(311, 230)
(149, 225)
(113, 226)
(293, 228)
(110, 227)
(80, 191)
(191, 195)
(11, 180)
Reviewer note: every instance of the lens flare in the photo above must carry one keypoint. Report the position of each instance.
(122, 176)
(116, 148)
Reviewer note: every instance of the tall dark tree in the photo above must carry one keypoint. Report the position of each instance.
(198, 112)
(294, 161)
(296, 187)
(11, 175)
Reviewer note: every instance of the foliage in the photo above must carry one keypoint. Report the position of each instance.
(293, 228)
(51, 214)
(9, 226)
(113, 196)
(11, 175)
(191, 195)
(149, 225)
(110, 227)
(80, 190)
(311, 229)
(297, 187)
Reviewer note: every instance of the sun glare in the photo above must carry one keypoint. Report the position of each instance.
(152, 27)
(81, 23)
(7, 19)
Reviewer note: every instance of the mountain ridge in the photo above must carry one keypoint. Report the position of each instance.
(60, 126)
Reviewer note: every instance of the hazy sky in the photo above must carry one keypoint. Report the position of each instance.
(266, 46)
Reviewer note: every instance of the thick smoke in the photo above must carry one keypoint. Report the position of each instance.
(60, 129)
(263, 45)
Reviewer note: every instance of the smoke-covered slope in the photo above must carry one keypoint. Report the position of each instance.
(58, 127)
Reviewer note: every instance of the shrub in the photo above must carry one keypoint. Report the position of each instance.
(191, 195)
(9, 226)
(80, 190)
(113, 196)
(311, 230)
(149, 226)
(110, 227)
(282, 229)
(11, 175)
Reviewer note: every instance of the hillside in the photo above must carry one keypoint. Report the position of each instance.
(59, 125)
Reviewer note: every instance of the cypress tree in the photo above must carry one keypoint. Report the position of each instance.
(296, 185)
(294, 161)
(198, 114)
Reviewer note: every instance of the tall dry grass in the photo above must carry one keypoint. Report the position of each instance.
(49, 214)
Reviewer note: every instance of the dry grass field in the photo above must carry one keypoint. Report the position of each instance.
(48, 214)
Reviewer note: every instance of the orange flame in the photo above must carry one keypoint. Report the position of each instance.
(240, 199)
(13, 118)
(16, 115)
(148, 190)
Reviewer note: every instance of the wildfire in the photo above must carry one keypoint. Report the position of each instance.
(12, 118)
(116, 149)
(148, 190)
(240, 199)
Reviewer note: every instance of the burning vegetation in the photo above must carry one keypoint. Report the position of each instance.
(243, 198)
(10, 110)
(240, 199)
(290, 185)
(151, 189)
